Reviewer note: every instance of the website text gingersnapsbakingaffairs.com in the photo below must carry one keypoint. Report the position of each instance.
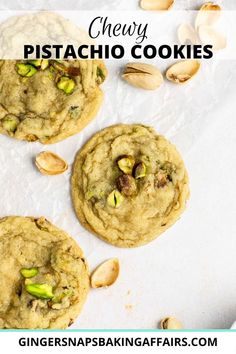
(117, 342)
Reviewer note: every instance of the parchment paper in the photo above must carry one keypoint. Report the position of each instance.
(181, 113)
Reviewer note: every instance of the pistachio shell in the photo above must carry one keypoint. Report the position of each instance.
(187, 34)
(144, 76)
(170, 323)
(156, 4)
(105, 274)
(49, 163)
(183, 71)
(209, 35)
(208, 14)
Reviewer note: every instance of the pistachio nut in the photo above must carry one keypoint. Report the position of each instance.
(49, 163)
(105, 274)
(208, 35)
(10, 123)
(161, 179)
(115, 199)
(140, 170)
(183, 71)
(66, 84)
(156, 4)
(208, 14)
(58, 66)
(144, 76)
(39, 63)
(127, 185)
(29, 272)
(126, 163)
(187, 34)
(100, 75)
(170, 323)
(25, 70)
(40, 291)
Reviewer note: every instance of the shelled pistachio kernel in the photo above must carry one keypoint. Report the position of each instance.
(170, 323)
(127, 185)
(66, 84)
(10, 123)
(140, 170)
(25, 70)
(100, 75)
(29, 272)
(41, 291)
(115, 199)
(126, 163)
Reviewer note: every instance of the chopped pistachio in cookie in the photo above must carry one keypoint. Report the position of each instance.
(43, 273)
(129, 184)
(49, 100)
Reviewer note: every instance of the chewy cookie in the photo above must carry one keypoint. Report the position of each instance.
(47, 100)
(43, 275)
(129, 184)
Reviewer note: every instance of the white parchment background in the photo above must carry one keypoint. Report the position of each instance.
(190, 271)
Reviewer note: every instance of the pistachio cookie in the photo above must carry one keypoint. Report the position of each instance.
(43, 275)
(129, 184)
(49, 100)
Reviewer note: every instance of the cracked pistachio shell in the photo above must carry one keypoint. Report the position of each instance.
(115, 199)
(170, 323)
(208, 14)
(208, 35)
(187, 34)
(145, 76)
(183, 71)
(156, 5)
(105, 274)
(49, 163)
(126, 163)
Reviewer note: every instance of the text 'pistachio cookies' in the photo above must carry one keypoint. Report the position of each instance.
(129, 184)
(48, 100)
(43, 275)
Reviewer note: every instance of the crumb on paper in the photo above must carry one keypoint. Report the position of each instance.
(128, 306)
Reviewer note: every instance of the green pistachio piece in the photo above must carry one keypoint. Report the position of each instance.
(41, 291)
(100, 75)
(66, 84)
(10, 123)
(126, 164)
(127, 185)
(25, 70)
(29, 272)
(115, 199)
(140, 170)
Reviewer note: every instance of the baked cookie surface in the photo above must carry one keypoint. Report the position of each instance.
(129, 184)
(48, 100)
(43, 275)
